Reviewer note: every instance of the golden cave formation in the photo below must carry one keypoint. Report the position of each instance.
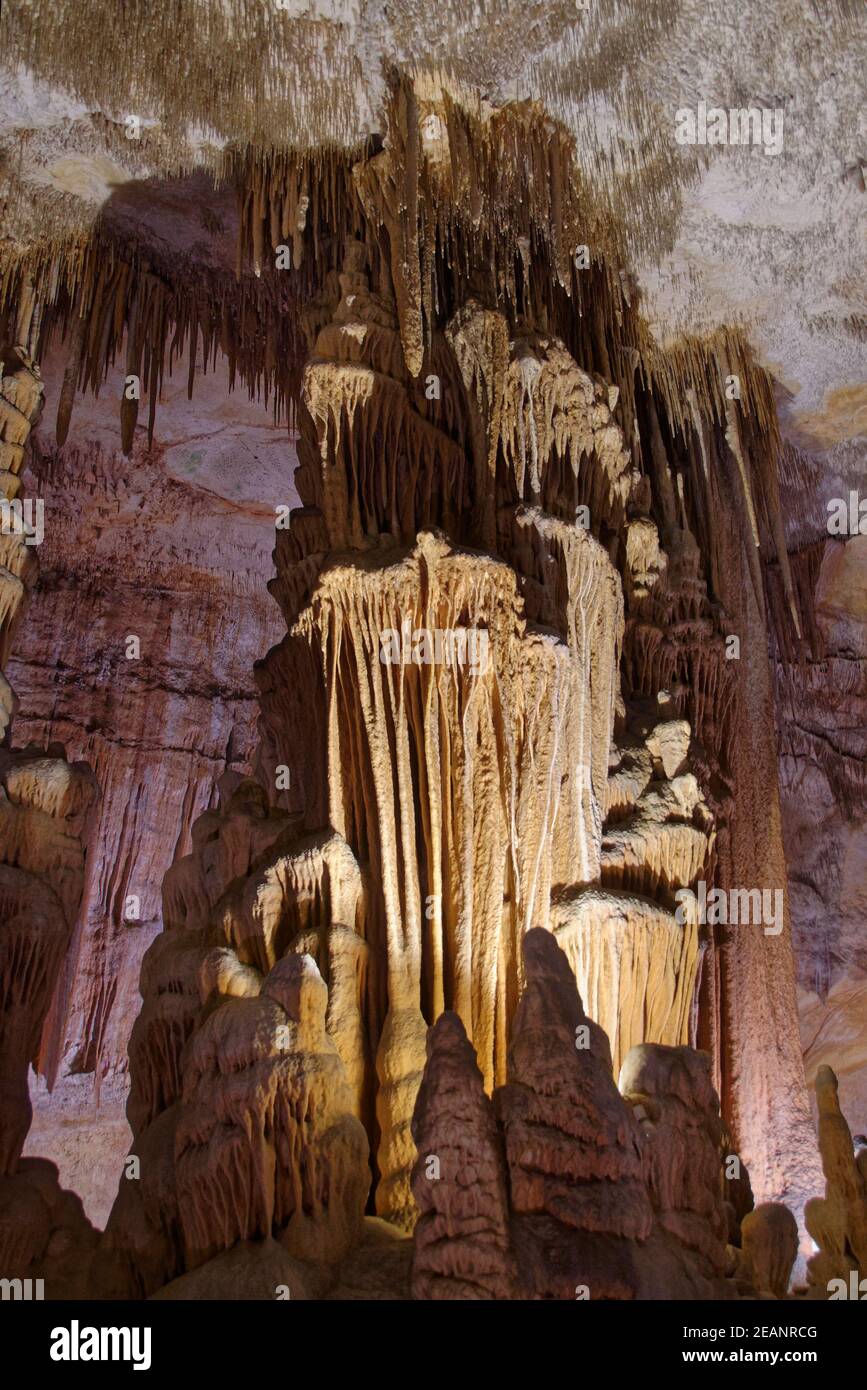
(441, 917)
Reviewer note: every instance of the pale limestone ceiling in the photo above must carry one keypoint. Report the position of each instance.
(775, 242)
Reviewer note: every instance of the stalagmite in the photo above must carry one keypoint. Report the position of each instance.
(769, 1237)
(266, 1142)
(576, 1180)
(670, 1091)
(461, 1241)
(838, 1221)
(247, 1096)
(506, 742)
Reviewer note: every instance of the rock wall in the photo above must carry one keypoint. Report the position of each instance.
(171, 547)
(44, 813)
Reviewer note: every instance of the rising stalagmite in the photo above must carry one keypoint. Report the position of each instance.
(838, 1221)
(561, 1188)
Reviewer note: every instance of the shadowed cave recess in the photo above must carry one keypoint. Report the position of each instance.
(432, 785)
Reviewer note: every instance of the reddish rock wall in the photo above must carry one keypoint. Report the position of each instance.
(175, 548)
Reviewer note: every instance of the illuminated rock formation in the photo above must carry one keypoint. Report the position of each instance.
(461, 1242)
(21, 394)
(540, 1194)
(561, 1187)
(576, 1174)
(44, 804)
(244, 1110)
(266, 1142)
(505, 732)
(838, 1221)
(464, 702)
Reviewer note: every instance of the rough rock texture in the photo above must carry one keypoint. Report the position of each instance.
(822, 714)
(172, 547)
(577, 809)
(266, 1141)
(44, 814)
(243, 1109)
(673, 1099)
(500, 439)
(838, 1221)
(576, 1176)
(769, 1243)
(44, 805)
(562, 1188)
(461, 1242)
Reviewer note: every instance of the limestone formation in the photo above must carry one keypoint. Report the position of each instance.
(562, 1188)
(553, 587)
(245, 1102)
(45, 805)
(576, 1177)
(838, 1221)
(461, 1242)
(266, 1143)
(769, 1238)
(670, 1091)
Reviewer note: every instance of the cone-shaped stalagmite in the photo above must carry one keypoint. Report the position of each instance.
(461, 1240)
(576, 1178)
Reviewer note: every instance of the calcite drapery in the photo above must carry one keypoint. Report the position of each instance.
(473, 790)
(266, 1141)
(447, 700)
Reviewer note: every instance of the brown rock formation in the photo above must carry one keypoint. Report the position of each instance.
(461, 1242)
(769, 1239)
(245, 1116)
(838, 1221)
(672, 1096)
(564, 1189)
(503, 716)
(576, 1178)
(44, 812)
(173, 547)
(266, 1143)
(44, 805)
